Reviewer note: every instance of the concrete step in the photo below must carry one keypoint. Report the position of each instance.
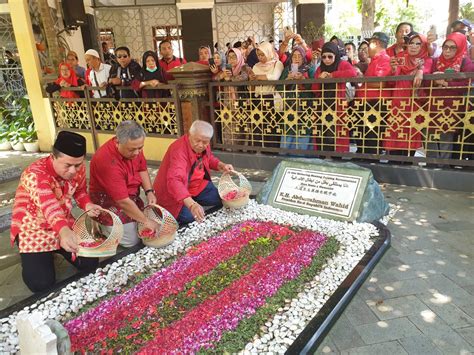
(9, 256)
(7, 194)
(5, 217)
(9, 172)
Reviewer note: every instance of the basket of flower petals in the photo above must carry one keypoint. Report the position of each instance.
(95, 239)
(234, 194)
(166, 232)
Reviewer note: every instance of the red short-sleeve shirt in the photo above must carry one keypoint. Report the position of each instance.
(114, 175)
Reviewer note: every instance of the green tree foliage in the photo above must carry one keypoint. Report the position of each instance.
(311, 32)
(389, 15)
(467, 11)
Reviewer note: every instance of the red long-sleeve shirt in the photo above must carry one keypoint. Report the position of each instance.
(43, 204)
(379, 66)
(172, 182)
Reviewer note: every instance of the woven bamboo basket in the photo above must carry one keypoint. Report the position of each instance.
(234, 195)
(166, 234)
(87, 229)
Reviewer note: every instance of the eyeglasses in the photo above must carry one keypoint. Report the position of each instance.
(449, 48)
(327, 56)
(415, 44)
(122, 56)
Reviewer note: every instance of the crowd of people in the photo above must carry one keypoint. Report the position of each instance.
(117, 70)
(413, 53)
(41, 218)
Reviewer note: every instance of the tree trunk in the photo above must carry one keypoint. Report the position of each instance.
(453, 13)
(368, 17)
(49, 32)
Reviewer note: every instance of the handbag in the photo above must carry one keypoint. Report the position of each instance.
(278, 102)
(350, 92)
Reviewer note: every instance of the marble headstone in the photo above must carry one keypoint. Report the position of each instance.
(344, 191)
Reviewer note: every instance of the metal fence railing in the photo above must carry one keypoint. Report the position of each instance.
(373, 118)
(160, 117)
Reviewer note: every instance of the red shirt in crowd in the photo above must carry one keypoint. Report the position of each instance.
(173, 63)
(113, 175)
(43, 204)
(284, 56)
(379, 66)
(391, 51)
(177, 170)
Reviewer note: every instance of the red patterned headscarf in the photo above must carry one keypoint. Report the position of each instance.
(461, 50)
(71, 80)
(412, 62)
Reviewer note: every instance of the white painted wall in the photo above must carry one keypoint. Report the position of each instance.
(235, 22)
(76, 44)
(132, 27)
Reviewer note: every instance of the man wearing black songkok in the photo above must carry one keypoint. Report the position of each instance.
(42, 219)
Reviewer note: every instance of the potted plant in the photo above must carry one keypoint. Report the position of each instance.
(4, 123)
(22, 127)
(30, 139)
(15, 136)
(4, 142)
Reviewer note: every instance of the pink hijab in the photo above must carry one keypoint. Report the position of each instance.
(240, 61)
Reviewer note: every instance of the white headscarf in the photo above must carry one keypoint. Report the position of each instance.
(267, 49)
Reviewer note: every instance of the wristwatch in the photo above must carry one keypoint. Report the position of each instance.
(149, 190)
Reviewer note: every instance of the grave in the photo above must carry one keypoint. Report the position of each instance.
(280, 259)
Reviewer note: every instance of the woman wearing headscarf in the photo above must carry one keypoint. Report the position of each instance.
(447, 94)
(340, 46)
(264, 98)
(67, 78)
(252, 58)
(415, 60)
(364, 59)
(218, 67)
(236, 71)
(151, 76)
(333, 96)
(204, 55)
(297, 135)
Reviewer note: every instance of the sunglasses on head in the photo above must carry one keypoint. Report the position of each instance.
(327, 56)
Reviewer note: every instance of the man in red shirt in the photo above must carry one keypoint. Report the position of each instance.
(403, 29)
(117, 171)
(41, 217)
(183, 184)
(168, 61)
(372, 92)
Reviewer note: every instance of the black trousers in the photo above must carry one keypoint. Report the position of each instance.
(38, 268)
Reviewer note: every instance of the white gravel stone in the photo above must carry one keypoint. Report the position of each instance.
(355, 239)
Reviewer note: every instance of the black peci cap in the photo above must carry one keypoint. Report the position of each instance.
(71, 144)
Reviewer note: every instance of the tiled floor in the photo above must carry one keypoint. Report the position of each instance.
(420, 297)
